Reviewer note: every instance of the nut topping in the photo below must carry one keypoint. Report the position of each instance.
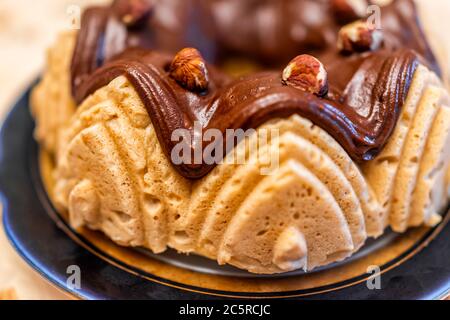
(359, 37)
(346, 11)
(133, 13)
(308, 74)
(188, 68)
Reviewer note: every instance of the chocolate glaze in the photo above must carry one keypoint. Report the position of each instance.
(366, 93)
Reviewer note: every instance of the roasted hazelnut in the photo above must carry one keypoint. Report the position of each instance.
(188, 68)
(133, 13)
(308, 74)
(359, 37)
(346, 11)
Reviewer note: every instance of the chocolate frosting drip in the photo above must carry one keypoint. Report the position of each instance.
(360, 114)
(85, 56)
(269, 31)
(361, 110)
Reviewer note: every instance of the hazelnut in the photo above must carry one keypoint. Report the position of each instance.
(308, 74)
(188, 68)
(346, 11)
(133, 13)
(359, 37)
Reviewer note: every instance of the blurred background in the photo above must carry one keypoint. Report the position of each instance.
(27, 28)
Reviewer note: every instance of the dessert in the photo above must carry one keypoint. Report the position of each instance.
(348, 128)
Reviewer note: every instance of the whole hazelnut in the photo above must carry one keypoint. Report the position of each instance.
(359, 37)
(306, 73)
(188, 68)
(133, 13)
(346, 11)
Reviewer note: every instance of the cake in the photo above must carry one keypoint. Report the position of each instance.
(346, 127)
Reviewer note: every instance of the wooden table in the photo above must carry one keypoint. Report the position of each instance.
(26, 29)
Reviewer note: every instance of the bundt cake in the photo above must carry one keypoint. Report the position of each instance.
(325, 123)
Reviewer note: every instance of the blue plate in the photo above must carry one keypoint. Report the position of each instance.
(49, 245)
